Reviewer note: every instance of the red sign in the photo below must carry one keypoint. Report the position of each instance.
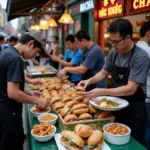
(139, 5)
(111, 8)
(75, 9)
(66, 27)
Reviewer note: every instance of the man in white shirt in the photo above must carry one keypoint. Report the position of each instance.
(144, 43)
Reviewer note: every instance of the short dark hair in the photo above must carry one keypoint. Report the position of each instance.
(145, 27)
(80, 35)
(123, 26)
(13, 38)
(70, 38)
(1, 38)
(56, 37)
(26, 38)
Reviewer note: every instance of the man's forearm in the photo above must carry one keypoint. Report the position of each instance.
(22, 97)
(27, 91)
(119, 91)
(75, 70)
(98, 77)
(64, 63)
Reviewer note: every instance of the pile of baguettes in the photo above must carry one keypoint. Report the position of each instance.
(69, 103)
(50, 84)
(81, 136)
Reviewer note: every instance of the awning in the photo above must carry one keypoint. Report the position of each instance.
(3, 34)
(17, 8)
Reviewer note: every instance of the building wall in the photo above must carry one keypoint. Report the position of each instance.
(83, 20)
(135, 16)
(3, 17)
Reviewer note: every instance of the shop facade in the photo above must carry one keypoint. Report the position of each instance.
(136, 11)
(82, 13)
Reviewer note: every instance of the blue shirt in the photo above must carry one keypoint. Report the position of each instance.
(76, 58)
(6, 46)
(95, 60)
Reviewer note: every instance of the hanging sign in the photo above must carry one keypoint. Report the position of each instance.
(111, 8)
(86, 6)
(139, 5)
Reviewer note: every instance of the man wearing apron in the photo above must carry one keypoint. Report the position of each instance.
(72, 58)
(92, 62)
(128, 65)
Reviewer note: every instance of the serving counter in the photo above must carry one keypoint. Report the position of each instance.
(51, 145)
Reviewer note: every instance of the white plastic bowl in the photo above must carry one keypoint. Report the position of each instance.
(116, 139)
(44, 138)
(36, 114)
(50, 122)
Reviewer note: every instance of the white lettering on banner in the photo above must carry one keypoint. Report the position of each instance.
(86, 6)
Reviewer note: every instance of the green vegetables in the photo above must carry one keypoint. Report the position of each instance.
(91, 146)
(112, 103)
(70, 142)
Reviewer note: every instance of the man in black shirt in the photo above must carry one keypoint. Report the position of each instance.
(12, 93)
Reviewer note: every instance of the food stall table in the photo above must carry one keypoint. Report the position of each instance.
(51, 145)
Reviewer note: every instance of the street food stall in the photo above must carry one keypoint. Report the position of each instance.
(71, 121)
(69, 109)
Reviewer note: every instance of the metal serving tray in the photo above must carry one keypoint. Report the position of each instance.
(34, 71)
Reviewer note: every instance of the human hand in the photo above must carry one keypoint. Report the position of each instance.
(84, 83)
(42, 103)
(61, 56)
(36, 63)
(36, 81)
(61, 74)
(36, 93)
(28, 74)
(54, 57)
(93, 93)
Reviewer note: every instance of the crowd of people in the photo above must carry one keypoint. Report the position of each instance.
(128, 63)
(11, 41)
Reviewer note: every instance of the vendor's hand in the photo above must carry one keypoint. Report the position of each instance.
(36, 81)
(36, 93)
(28, 75)
(54, 57)
(61, 56)
(42, 103)
(61, 73)
(84, 83)
(93, 93)
(35, 62)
